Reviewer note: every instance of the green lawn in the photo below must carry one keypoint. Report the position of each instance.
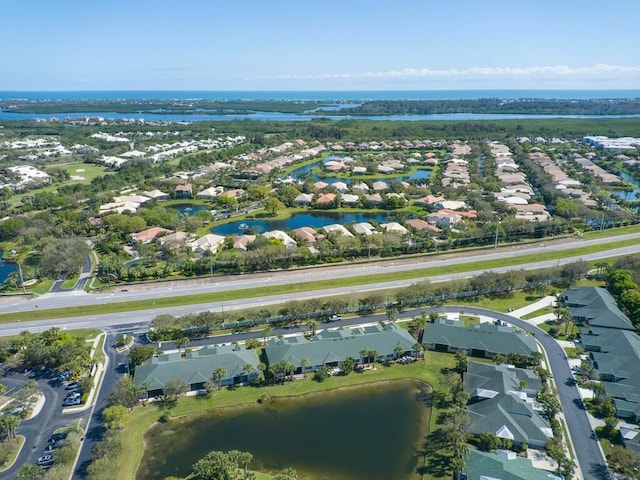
(10, 448)
(142, 418)
(538, 313)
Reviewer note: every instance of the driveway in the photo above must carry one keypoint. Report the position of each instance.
(586, 448)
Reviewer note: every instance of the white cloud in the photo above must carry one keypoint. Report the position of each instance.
(552, 71)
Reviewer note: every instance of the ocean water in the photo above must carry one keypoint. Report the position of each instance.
(357, 95)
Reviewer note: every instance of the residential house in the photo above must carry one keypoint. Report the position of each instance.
(595, 307)
(210, 192)
(157, 195)
(422, 226)
(183, 190)
(503, 465)
(380, 186)
(373, 198)
(613, 345)
(502, 402)
(148, 235)
(326, 199)
(363, 187)
(240, 366)
(207, 243)
(287, 241)
(233, 193)
(340, 186)
(331, 347)
(240, 242)
(307, 234)
(304, 199)
(336, 228)
(364, 228)
(444, 219)
(630, 438)
(350, 200)
(485, 340)
(394, 227)
(174, 240)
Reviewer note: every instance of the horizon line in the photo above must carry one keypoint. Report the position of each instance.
(333, 90)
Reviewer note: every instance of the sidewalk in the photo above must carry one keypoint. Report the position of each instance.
(532, 307)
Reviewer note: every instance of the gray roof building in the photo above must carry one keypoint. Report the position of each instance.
(198, 367)
(596, 307)
(503, 465)
(613, 345)
(484, 339)
(499, 405)
(330, 347)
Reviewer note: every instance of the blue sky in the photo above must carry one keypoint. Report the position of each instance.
(319, 45)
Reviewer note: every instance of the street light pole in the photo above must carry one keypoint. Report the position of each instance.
(24, 289)
(495, 242)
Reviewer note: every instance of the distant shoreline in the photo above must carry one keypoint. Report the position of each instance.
(317, 95)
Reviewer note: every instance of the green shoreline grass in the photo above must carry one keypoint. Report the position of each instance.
(142, 418)
(165, 302)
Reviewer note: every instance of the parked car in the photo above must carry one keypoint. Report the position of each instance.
(74, 395)
(45, 460)
(72, 386)
(56, 437)
(64, 376)
(70, 402)
(52, 446)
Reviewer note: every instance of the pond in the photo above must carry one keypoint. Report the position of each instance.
(301, 172)
(312, 219)
(370, 432)
(187, 208)
(629, 195)
(6, 268)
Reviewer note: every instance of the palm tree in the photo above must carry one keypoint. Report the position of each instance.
(397, 351)
(304, 363)
(313, 325)
(268, 330)
(247, 369)
(373, 353)
(417, 326)
(364, 353)
(182, 342)
(218, 374)
(261, 368)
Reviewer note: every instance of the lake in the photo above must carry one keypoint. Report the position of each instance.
(370, 432)
(628, 194)
(301, 172)
(187, 208)
(6, 268)
(312, 219)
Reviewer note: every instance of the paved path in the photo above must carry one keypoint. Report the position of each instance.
(532, 307)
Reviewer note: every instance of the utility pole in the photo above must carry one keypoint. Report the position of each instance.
(495, 242)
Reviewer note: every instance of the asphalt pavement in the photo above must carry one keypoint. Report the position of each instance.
(38, 429)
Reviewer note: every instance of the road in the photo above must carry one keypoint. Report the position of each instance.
(139, 319)
(248, 281)
(95, 429)
(586, 448)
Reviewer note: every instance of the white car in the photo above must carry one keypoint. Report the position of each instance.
(45, 460)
